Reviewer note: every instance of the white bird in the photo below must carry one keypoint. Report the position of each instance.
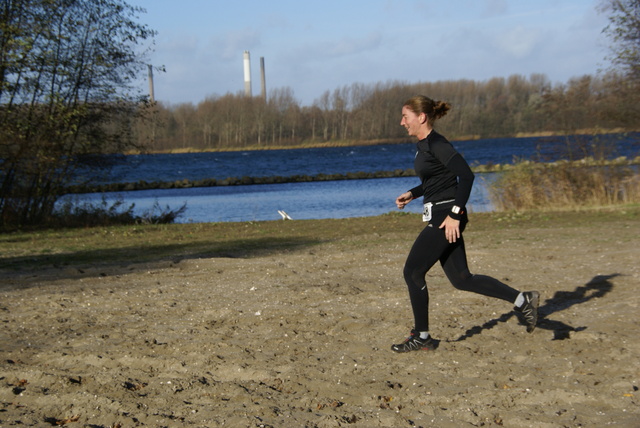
(284, 215)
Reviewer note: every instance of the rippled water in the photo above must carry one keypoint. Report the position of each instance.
(323, 199)
(314, 200)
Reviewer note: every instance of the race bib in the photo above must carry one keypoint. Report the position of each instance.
(426, 212)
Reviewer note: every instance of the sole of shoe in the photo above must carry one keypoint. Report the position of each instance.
(535, 302)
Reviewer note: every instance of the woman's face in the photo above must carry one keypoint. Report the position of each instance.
(411, 121)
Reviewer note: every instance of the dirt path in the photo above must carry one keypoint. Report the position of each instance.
(300, 338)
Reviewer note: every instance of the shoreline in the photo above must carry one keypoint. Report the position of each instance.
(349, 143)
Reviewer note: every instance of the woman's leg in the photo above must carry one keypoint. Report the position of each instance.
(426, 251)
(454, 264)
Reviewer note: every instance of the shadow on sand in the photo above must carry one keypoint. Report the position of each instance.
(599, 286)
(20, 272)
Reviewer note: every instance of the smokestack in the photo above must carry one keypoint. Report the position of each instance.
(151, 92)
(263, 81)
(247, 74)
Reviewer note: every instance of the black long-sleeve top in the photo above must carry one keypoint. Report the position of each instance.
(443, 172)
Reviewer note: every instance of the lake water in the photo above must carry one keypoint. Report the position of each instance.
(314, 200)
(321, 199)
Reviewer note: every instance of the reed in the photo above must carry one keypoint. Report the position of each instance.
(535, 186)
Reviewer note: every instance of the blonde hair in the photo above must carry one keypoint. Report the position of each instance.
(432, 109)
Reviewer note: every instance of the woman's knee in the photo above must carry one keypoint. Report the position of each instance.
(462, 280)
(414, 276)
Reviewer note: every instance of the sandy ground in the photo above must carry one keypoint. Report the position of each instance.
(301, 338)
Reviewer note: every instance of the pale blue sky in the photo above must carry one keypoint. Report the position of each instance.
(315, 46)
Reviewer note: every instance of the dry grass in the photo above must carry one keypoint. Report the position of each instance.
(530, 186)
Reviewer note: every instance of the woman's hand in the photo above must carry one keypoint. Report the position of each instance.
(404, 199)
(451, 229)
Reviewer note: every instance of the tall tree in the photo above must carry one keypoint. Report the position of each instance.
(67, 69)
(624, 30)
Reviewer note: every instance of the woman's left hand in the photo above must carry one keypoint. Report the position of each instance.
(451, 229)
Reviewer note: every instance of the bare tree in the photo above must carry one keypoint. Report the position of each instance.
(624, 30)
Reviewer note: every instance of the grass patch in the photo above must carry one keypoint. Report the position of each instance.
(134, 244)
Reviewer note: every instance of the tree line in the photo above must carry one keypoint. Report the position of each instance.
(359, 113)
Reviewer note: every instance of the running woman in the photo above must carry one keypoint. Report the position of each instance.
(446, 181)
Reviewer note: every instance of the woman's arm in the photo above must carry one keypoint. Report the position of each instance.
(451, 223)
(460, 167)
(404, 199)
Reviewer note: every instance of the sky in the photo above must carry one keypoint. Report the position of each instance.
(311, 47)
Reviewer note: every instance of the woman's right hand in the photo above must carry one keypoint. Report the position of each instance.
(404, 199)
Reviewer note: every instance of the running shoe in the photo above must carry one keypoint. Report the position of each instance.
(529, 309)
(414, 343)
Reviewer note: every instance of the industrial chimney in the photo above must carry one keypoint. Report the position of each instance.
(263, 81)
(151, 90)
(247, 74)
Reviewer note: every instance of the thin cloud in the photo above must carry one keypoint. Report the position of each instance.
(518, 42)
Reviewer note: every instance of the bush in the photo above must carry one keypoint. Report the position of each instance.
(74, 214)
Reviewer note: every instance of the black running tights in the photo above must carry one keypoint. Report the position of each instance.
(431, 246)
